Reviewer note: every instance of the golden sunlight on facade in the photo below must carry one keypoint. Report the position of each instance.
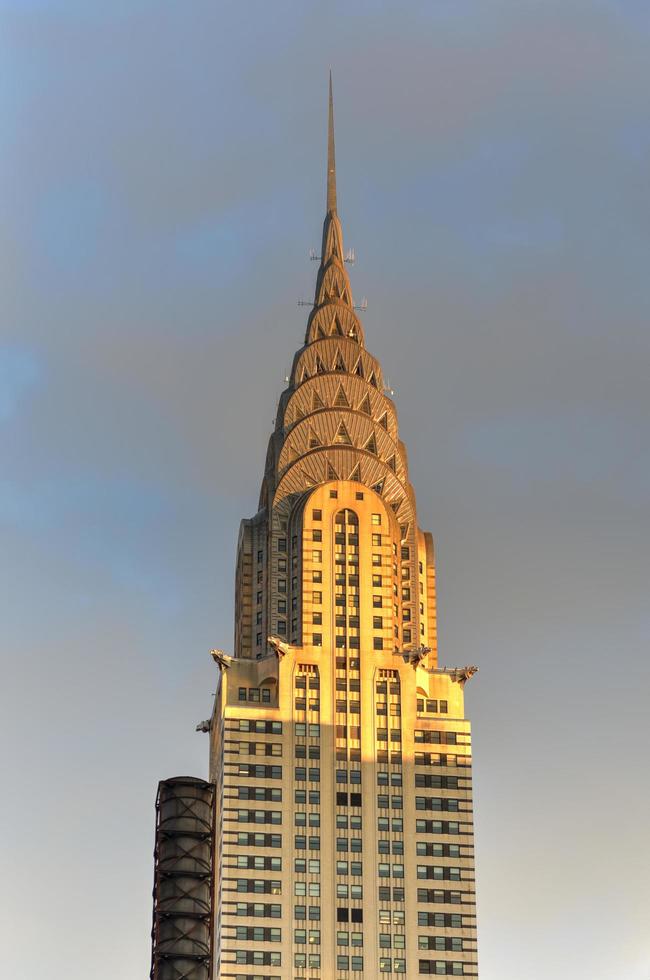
(340, 752)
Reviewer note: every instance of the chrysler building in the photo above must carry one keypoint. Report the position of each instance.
(340, 754)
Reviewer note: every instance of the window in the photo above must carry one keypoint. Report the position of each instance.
(317, 515)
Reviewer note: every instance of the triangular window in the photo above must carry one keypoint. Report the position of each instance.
(359, 366)
(391, 462)
(309, 481)
(316, 402)
(321, 333)
(314, 441)
(396, 504)
(383, 421)
(379, 487)
(356, 474)
(404, 531)
(299, 414)
(341, 400)
(339, 363)
(338, 328)
(372, 379)
(320, 367)
(342, 437)
(365, 406)
(371, 445)
(331, 472)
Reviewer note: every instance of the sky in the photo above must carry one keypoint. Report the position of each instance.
(162, 179)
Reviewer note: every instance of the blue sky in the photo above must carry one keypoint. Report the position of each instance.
(163, 178)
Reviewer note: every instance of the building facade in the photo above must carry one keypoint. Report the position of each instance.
(340, 751)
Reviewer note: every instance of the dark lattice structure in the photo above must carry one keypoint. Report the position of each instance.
(182, 933)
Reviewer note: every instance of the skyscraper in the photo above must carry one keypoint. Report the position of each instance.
(340, 751)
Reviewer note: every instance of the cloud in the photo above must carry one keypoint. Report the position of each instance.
(20, 371)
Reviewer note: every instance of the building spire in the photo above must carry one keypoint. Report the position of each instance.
(331, 161)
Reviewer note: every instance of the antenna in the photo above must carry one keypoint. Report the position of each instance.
(363, 307)
(349, 257)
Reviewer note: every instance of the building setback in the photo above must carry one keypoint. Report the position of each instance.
(339, 749)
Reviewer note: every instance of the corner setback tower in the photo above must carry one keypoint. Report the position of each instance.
(346, 851)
